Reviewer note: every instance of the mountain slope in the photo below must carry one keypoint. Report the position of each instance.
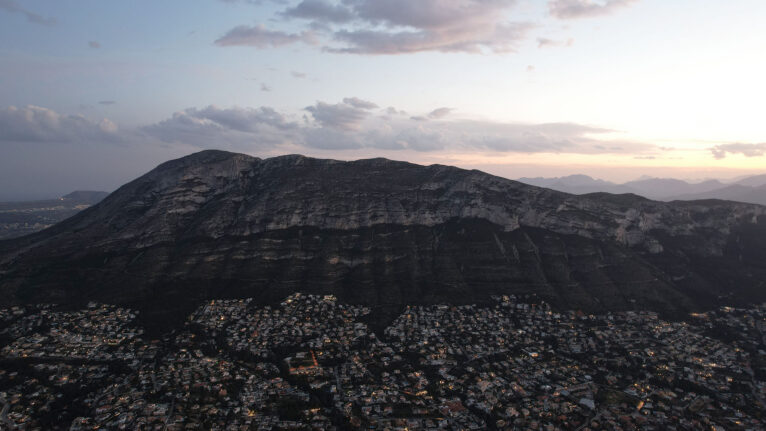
(383, 233)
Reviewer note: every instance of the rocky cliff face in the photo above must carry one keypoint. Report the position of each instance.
(217, 224)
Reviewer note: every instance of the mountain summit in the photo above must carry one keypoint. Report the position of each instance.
(383, 233)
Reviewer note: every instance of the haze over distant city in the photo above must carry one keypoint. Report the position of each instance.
(95, 93)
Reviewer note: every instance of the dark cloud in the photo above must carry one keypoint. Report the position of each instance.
(747, 150)
(36, 124)
(321, 11)
(12, 7)
(570, 9)
(260, 37)
(439, 113)
(94, 44)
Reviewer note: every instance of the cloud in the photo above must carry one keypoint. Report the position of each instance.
(498, 38)
(255, 2)
(359, 103)
(320, 10)
(265, 87)
(431, 14)
(539, 138)
(12, 7)
(571, 9)
(259, 36)
(347, 115)
(393, 111)
(107, 102)
(37, 124)
(439, 113)
(354, 123)
(543, 42)
(747, 150)
(396, 26)
(235, 127)
(299, 75)
(94, 44)
(436, 114)
(405, 26)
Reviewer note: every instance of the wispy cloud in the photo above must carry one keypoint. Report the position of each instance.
(543, 42)
(571, 9)
(12, 7)
(747, 150)
(260, 37)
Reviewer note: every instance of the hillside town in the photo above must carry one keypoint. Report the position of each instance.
(314, 363)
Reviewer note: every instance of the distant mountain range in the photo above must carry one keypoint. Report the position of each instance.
(22, 218)
(383, 233)
(749, 190)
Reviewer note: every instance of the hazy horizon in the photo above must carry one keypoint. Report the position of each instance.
(503, 171)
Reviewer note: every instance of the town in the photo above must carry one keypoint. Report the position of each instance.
(314, 363)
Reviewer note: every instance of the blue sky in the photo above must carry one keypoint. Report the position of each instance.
(93, 93)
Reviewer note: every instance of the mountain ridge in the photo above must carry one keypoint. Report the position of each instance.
(746, 190)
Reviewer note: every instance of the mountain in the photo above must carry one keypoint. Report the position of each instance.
(663, 188)
(748, 190)
(735, 192)
(22, 218)
(577, 184)
(754, 181)
(383, 233)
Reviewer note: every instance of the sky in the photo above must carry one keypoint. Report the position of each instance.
(95, 93)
